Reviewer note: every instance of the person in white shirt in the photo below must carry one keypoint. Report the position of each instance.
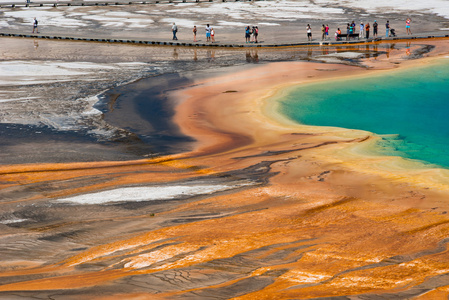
(174, 29)
(208, 30)
(35, 25)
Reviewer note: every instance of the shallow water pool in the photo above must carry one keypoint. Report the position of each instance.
(409, 108)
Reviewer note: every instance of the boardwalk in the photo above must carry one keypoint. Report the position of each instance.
(149, 22)
(38, 3)
(199, 44)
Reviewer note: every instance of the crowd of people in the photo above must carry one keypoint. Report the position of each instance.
(364, 30)
(252, 32)
(210, 33)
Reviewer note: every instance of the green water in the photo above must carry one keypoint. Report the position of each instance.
(411, 105)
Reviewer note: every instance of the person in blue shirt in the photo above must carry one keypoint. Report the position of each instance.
(247, 34)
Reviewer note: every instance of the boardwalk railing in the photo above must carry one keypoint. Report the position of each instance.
(103, 2)
(4, 33)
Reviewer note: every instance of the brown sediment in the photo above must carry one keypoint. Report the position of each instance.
(314, 220)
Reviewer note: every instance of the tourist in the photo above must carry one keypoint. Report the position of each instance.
(253, 31)
(212, 35)
(375, 29)
(407, 26)
(323, 32)
(367, 30)
(174, 29)
(247, 34)
(194, 33)
(351, 31)
(35, 26)
(387, 29)
(208, 29)
(353, 25)
(256, 34)
(327, 31)
(309, 32)
(337, 33)
(362, 30)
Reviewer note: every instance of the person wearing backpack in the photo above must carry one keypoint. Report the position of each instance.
(35, 25)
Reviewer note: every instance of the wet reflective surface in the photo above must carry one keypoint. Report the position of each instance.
(235, 203)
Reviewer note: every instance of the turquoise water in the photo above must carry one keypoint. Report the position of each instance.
(410, 106)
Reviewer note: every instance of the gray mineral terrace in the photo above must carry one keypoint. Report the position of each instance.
(280, 23)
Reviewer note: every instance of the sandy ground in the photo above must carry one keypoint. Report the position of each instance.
(250, 207)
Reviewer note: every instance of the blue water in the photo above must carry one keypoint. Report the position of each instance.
(412, 105)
